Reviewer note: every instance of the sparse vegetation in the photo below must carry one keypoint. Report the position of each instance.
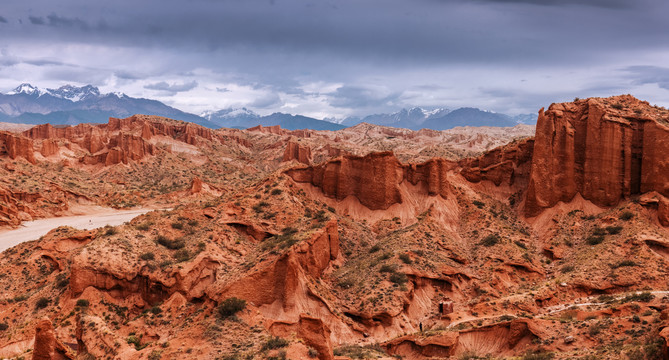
(490, 240)
(613, 230)
(83, 303)
(230, 307)
(169, 243)
(626, 216)
(147, 256)
(624, 263)
(594, 239)
(42, 303)
(275, 342)
(405, 258)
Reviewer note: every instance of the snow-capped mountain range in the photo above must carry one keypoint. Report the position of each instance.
(70, 104)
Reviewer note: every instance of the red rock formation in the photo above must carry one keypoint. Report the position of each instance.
(374, 179)
(280, 280)
(505, 164)
(312, 330)
(663, 211)
(49, 147)
(17, 146)
(45, 341)
(295, 151)
(603, 149)
(196, 185)
(47, 346)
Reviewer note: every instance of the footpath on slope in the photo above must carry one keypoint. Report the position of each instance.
(32, 230)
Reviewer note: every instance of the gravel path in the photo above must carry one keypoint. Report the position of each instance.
(32, 230)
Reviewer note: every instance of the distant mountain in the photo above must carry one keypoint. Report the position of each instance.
(410, 119)
(232, 118)
(73, 105)
(468, 117)
(529, 119)
(244, 118)
(294, 122)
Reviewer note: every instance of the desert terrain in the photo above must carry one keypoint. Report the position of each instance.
(369, 242)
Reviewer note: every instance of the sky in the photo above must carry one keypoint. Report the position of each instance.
(341, 58)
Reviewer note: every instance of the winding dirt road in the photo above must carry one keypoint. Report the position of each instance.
(32, 230)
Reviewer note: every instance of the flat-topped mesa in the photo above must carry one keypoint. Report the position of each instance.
(374, 179)
(605, 149)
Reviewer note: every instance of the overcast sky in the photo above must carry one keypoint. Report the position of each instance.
(346, 57)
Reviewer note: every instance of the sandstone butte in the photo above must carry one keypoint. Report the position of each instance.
(547, 245)
(603, 149)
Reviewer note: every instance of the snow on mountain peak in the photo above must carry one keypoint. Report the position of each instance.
(27, 89)
(74, 93)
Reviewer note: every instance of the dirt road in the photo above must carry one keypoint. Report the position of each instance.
(32, 230)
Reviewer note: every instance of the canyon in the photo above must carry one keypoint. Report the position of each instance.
(363, 243)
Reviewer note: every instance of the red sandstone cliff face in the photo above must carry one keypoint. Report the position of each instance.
(17, 146)
(295, 151)
(604, 149)
(374, 179)
(509, 164)
(119, 141)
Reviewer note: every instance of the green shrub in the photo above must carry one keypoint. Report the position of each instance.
(276, 192)
(3, 326)
(643, 297)
(567, 268)
(478, 204)
(230, 307)
(386, 268)
(147, 256)
(490, 240)
(182, 255)
(625, 263)
(177, 225)
(143, 226)
(398, 278)
(613, 230)
(312, 353)
(599, 231)
(19, 298)
(82, 303)
(374, 248)
(42, 303)
(405, 258)
(169, 243)
(594, 239)
(155, 355)
(626, 215)
(275, 342)
(110, 231)
(617, 106)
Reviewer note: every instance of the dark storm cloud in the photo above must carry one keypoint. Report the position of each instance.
(36, 20)
(55, 20)
(173, 88)
(378, 53)
(612, 4)
(362, 97)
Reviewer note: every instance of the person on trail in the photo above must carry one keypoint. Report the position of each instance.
(420, 325)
